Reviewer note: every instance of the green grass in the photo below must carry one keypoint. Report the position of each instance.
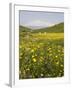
(41, 54)
(59, 28)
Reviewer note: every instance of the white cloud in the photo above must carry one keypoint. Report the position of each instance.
(39, 23)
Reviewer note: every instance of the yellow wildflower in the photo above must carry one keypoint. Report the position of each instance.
(20, 46)
(61, 65)
(32, 50)
(58, 50)
(35, 54)
(27, 69)
(49, 48)
(32, 56)
(57, 63)
(38, 46)
(44, 33)
(34, 60)
(41, 58)
(56, 56)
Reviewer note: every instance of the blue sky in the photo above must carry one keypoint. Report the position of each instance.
(40, 19)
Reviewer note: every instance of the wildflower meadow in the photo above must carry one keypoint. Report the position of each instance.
(41, 52)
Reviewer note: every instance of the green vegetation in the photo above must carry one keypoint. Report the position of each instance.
(41, 52)
(59, 28)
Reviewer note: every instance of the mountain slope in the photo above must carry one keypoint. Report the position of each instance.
(58, 28)
(54, 29)
(24, 29)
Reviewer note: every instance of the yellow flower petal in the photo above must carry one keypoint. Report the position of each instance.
(32, 50)
(32, 56)
(57, 63)
(34, 60)
(56, 56)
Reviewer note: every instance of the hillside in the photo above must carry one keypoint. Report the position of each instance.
(59, 28)
(24, 29)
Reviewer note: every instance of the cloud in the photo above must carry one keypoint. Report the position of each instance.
(39, 23)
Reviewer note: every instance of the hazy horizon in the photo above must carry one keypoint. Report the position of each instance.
(37, 20)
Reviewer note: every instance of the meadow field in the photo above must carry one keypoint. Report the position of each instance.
(41, 52)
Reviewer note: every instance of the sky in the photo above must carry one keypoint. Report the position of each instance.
(37, 19)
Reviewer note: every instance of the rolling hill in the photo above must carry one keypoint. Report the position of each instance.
(24, 29)
(58, 28)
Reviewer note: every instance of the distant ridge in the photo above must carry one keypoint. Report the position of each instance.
(58, 28)
(54, 29)
(24, 29)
